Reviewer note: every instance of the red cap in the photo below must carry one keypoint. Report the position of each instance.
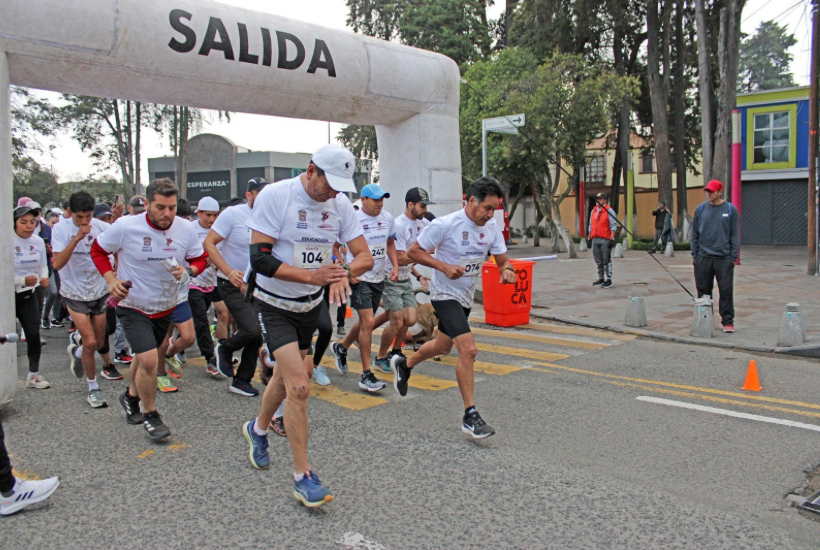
(714, 186)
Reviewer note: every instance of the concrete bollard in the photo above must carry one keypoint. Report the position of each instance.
(703, 320)
(792, 330)
(619, 251)
(670, 250)
(635, 312)
(582, 246)
(626, 245)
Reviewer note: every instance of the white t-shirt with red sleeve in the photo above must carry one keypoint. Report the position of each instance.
(206, 280)
(140, 247)
(79, 278)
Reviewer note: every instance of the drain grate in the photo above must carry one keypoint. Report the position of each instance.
(811, 504)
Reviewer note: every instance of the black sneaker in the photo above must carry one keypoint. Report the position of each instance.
(243, 387)
(402, 373)
(370, 383)
(599, 282)
(607, 284)
(341, 356)
(474, 425)
(123, 357)
(393, 352)
(45, 325)
(57, 324)
(110, 372)
(224, 361)
(154, 425)
(131, 406)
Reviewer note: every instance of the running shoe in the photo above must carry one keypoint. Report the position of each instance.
(341, 356)
(27, 492)
(278, 426)
(257, 446)
(310, 492)
(599, 282)
(155, 427)
(340, 331)
(728, 328)
(181, 357)
(474, 425)
(393, 352)
(75, 363)
(607, 284)
(399, 364)
(320, 376)
(243, 387)
(74, 336)
(131, 406)
(382, 365)
(211, 368)
(224, 362)
(165, 385)
(123, 357)
(175, 366)
(370, 383)
(45, 325)
(96, 400)
(36, 381)
(110, 372)
(57, 324)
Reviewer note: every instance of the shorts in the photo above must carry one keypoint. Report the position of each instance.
(212, 296)
(142, 332)
(90, 307)
(281, 327)
(182, 313)
(452, 317)
(366, 295)
(398, 296)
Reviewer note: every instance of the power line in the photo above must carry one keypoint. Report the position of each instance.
(757, 10)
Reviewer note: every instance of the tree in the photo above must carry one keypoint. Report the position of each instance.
(32, 181)
(455, 28)
(659, 92)
(379, 18)
(765, 59)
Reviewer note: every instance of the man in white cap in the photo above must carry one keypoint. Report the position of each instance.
(293, 228)
(203, 292)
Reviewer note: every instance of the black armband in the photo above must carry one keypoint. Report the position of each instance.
(262, 260)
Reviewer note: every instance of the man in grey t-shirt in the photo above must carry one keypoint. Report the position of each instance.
(715, 249)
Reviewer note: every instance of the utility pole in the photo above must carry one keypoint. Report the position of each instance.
(813, 126)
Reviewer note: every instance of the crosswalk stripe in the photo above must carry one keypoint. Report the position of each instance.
(418, 381)
(542, 339)
(346, 399)
(520, 352)
(479, 366)
(579, 331)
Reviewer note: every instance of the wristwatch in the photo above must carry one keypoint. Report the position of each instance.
(418, 277)
(346, 267)
(190, 271)
(511, 268)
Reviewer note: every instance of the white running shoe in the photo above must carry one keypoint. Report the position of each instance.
(27, 492)
(37, 381)
(320, 376)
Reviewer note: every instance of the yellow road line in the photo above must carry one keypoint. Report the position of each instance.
(346, 399)
(541, 339)
(479, 366)
(521, 352)
(685, 387)
(419, 381)
(580, 331)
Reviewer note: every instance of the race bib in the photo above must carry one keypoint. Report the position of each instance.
(378, 252)
(472, 266)
(311, 256)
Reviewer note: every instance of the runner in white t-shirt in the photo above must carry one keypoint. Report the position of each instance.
(294, 225)
(231, 261)
(399, 298)
(462, 241)
(380, 232)
(83, 291)
(147, 290)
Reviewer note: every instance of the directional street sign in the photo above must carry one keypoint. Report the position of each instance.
(502, 123)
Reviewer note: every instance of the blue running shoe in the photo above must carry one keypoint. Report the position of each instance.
(258, 451)
(310, 491)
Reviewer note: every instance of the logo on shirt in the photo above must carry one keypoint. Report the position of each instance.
(481, 235)
(31, 248)
(325, 216)
(90, 238)
(17, 249)
(302, 223)
(169, 241)
(146, 244)
(465, 238)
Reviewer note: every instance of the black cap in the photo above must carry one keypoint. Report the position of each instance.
(417, 194)
(101, 209)
(602, 196)
(257, 184)
(137, 202)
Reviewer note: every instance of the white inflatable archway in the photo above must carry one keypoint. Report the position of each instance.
(209, 55)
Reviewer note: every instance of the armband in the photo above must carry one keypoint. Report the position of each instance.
(262, 260)
(418, 277)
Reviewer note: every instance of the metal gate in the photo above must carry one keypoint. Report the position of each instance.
(774, 212)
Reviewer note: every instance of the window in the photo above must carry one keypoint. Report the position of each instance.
(595, 170)
(771, 137)
(647, 163)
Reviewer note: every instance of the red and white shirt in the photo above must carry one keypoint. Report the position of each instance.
(79, 278)
(140, 247)
(29, 259)
(206, 280)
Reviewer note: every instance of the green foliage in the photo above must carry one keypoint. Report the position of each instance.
(31, 180)
(455, 28)
(765, 59)
(361, 140)
(565, 26)
(377, 18)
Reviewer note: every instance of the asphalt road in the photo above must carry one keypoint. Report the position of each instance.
(578, 461)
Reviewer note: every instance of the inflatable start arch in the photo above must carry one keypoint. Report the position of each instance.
(213, 56)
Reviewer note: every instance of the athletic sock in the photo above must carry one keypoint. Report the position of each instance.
(32, 374)
(280, 412)
(469, 410)
(298, 477)
(257, 431)
(92, 384)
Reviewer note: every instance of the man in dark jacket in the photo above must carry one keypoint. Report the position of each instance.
(715, 248)
(660, 213)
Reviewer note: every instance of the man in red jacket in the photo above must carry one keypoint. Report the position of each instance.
(602, 227)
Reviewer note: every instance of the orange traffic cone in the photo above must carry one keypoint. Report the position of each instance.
(348, 313)
(752, 382)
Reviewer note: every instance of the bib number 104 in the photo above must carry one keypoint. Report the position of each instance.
(311, 256)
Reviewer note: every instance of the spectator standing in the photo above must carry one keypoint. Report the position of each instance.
(602, 227)
(661, 214)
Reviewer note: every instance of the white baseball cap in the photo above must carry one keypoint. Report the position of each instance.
(339, 164)
(208, 204)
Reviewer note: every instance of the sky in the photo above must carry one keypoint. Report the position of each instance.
(262, 133)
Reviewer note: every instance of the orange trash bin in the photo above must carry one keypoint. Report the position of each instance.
(507, 305)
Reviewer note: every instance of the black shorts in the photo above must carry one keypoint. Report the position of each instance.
(366, 295)
(90, 307)
(281, 327)
(452, 317)
(212, 296)
(142, 332)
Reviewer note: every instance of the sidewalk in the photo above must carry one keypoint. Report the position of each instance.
(768, 278)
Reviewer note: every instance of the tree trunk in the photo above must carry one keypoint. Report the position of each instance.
(680, 120)
(138, 148)
(658, 100)
(705, 90)
(182, 157)
(514, 205)
(572, 184)
(122, 148)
